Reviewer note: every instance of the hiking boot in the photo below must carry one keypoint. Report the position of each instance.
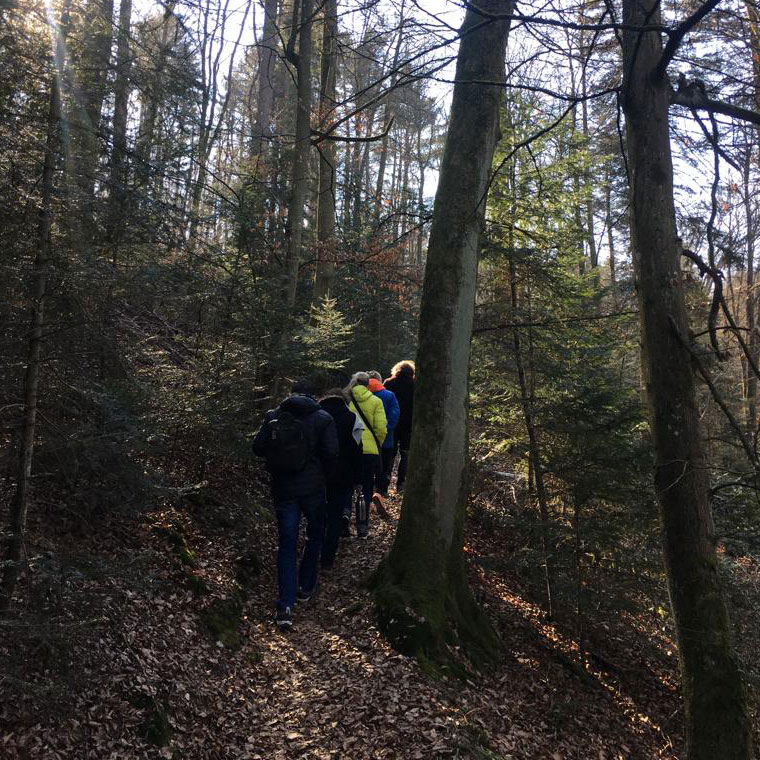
(377, 501)
(284, 618)
(363, 536)
(305, 596)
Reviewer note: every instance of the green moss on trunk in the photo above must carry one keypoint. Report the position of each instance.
(423, 602)
(444, 629)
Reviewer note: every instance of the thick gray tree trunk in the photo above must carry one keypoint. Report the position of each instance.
(717, 723)
(421, 592)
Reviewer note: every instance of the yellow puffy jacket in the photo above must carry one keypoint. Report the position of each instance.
(374, 412)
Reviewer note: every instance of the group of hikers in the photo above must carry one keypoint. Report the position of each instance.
(331, 456)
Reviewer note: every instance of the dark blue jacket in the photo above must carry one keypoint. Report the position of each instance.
(320, 429)
(348, 471)
(392, 413)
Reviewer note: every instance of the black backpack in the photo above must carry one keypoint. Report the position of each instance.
(289, 447)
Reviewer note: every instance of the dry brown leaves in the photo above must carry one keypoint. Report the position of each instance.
(330, 688)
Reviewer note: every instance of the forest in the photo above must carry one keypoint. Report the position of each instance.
(550, 208)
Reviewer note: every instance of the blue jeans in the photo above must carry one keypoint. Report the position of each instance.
(338, 504)
(288, 522)
(371, 466)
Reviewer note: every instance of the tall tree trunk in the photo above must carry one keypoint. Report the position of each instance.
(753, 16)
(212, 118)
(717, 723)
(608, 218)
(347, 176)
(588, 185)
(754, 344)
(262, 129)
(301, 152)
(421, 200)
(20, 500)
(388, 114)
(404, 206)
(421, 591)
(570, 148)
(118, 178)
(257, 201)
(151, 100)
(89, 92)
(533, 448)
(327, 158)
(751, 298)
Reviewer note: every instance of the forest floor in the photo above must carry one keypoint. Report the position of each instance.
(115, 658)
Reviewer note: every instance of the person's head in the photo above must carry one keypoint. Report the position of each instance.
(304, 387)
(404, 367)
(334, 393)
(374, 374)
(359, 378)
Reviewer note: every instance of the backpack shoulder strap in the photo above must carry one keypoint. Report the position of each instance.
(364, 419)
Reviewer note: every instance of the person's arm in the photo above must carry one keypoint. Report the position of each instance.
(328, 445)
(394, 412)
(379, 421)
(261, 441)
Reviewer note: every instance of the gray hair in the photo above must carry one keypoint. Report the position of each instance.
(359, 378)
(375, 374)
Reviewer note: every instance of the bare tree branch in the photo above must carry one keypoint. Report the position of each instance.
(553, 322)
(746, 445)
(717, 277)
(574, 26)
(344, 138)
(677, 35)
(693, 95)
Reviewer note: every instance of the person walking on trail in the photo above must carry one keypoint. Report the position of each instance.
(346, 475)
(392, 412)
(300, 445)
(369, 408)
(401, 383)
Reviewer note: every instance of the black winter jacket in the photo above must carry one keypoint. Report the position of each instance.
(320, 429)
(348, 471)
(402, 386)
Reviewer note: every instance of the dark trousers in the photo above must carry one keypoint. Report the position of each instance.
(371, 466)
(403, 462)
(288, 522)
(383, 480)
(338, 504)
(403, 448)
